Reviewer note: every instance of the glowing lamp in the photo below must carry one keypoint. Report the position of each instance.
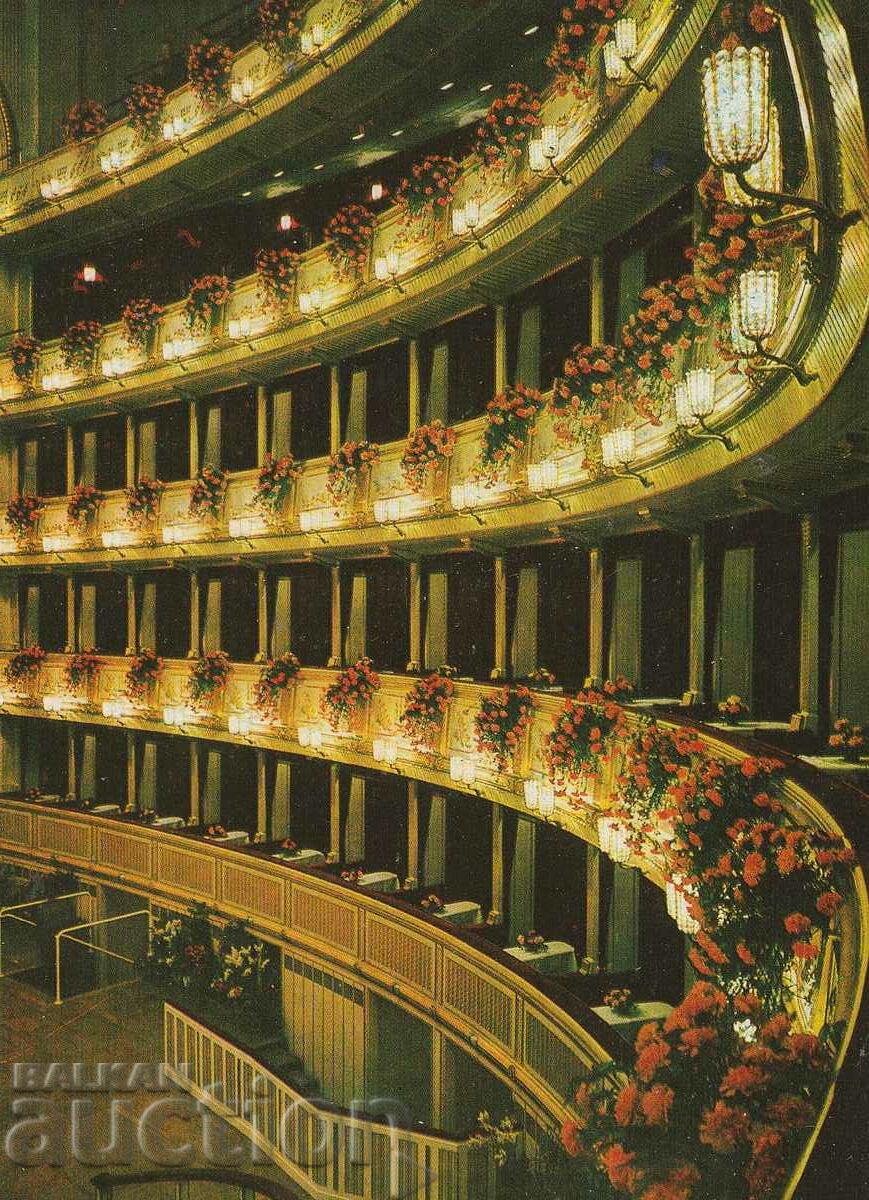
(618, 446)
(625, 37)
(758, 302)
(736, 108)
(766, 174)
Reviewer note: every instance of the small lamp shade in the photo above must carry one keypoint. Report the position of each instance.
(618, 446)
(700, 384)
(766, 174)
(736, 106)
(684, 416)
(741, 345)
(625, 33)
(613, 63)
(536, 157)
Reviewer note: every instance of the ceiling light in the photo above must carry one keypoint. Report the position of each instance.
(530, 30)
(445, 87)
(244, 195)
(397, 132)
(357, 136)
(486, 87)
(319, 166)
(277, 174)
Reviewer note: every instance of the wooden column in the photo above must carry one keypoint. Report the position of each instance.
(132, 774)
(499, 669)
(132, 632)
(592, 905)
(195, 769)
(193, 426)
(262, 816)
(810, 612)
(414, 388)
(195, 623)
(71, 764)
(262, 609)
(415, 597)
(130, 471)
(335, 657)
(500, 347)
(412, 833)
(70, 459)
(71, 631)
(496, 913)
(262, 422)
(696, 614)
(596, 610)
(334, 813)
(596, 299)
(334, 409)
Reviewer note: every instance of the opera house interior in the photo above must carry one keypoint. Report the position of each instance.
(434, 599)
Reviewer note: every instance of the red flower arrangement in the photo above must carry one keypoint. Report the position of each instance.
(501, 722)
(353, 688)
(82, 669)
(280, 22)
(86, 119)
(347, 466)
(732, 708)
(348, 237)
(275, 677)
(209, 64)
(84, 503)
(142, 501)
(208, 675)
(583, 25)
(207, 294)
(424, 708)
(432, 903)
(24, 353)
(620, 1000)
(22, 515)
(532, 940)
(207, 493)
(847, 738)
(582, 737)
(431, 184)
(25, 664)
(276, 272)
(145, 109)
(586, 393)
(139, 320)
(142, 675)
(506, 128)
(79, 344)
(703, 1104)
(425, 452)
(273, 483)
(509, 420)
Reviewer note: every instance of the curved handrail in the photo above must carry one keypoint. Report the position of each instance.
(107, 1183)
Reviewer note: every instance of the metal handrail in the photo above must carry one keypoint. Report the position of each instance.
(11, 911)
(139, 912)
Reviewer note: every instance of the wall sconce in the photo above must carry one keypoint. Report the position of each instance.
(113, 163)
(51, 190)
(310, 736)
(539, 796)
(60, 703)
(173, 132)
(118, 708)
(694, 399)
(178, 347)
(114, 367)
(311, 303)
(117, 539)
(386, 269)
(385, 750)
(463, 769)
(183, 531)
(89, 273)
(286, 222)
(465, 220)
(247, 526)
(737, 124)
(241, 724)
(465, 497)
(53, 543)
(311, 44)
(758, 315)
(179, 714)
(240, 329)
(390, 510)
(618, 447)
(240, 92)
(313, 520)
(543, 151)
(378, 191)
(740, 343)
(56, 381)
(618, 52)
(613, 838)
(542, 481)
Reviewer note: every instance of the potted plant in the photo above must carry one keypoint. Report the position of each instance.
(732, 708)
(348, 695)
(142, 502)
(347, 466)
(424, 708)
(86, 119)
(23, 513)
(207, 294)
(280, 22)
(429, 187)
(23, 668)
(209, 65)
(426, 453)
(352, 875)
(432, 903)
(24, 353)
(145, 110)
(143, 673)
(207, 494)
(532, 941)
(276, 272)
(272, 688)
(581, 738)
(583, 26)
(505, 131)
(510, 417)
(83, 505)
(208, 677)
(348, 237)
(501, 722)
(275, 479)
(181, 952)
(79, 344)
(140, 318)
(847, 739)
(620, 1000)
